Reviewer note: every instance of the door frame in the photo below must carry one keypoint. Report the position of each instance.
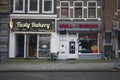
(70, 39)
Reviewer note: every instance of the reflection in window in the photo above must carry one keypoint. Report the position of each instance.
(78, 9)
(48, 6)
(107, 37)
(33, 5)
(92, 9)
(44, 45)
(88, 44)
(92, 12)
(64, 9)
(18, 5)
(118, 3)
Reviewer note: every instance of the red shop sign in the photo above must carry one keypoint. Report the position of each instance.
(78, 25)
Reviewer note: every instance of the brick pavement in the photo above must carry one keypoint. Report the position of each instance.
(56, 66)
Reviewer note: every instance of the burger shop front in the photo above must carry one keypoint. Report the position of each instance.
(31, 38)
(79, 40)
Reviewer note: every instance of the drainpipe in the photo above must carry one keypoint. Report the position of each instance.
(102, 27)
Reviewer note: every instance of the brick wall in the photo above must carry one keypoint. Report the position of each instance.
(109, 9)
(4, 29)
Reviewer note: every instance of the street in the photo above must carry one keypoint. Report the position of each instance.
(59, 75)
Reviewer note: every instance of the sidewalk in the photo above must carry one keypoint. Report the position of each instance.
(56, 66)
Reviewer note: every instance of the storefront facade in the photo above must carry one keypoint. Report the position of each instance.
(79, 25)
(31, 37)
(79, 40)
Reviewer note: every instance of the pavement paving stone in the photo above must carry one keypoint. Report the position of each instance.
(53, 66)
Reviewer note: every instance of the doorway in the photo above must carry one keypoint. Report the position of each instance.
(19, 45)
(31, 45)
(72, 47)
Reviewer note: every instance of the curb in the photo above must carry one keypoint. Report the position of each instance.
(64, 70)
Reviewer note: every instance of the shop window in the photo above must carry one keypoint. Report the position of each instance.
(92, 9)
(118, 4)
(33, 6)
(18, 6)
(78, 9)
(107, 37)
(48, 6)
(44, 45)
(64, 9)
(87, 44)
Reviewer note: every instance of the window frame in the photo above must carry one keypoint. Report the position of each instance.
(43, 10)
(94, 43)
(29, 11)
(82, 16)
(64, 7)
(108, 37)
(118, 5)
(91, 7)
(18, 11)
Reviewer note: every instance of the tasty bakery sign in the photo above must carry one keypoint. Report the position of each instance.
(31, 25)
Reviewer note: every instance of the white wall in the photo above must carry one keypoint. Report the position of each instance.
(54, 43)
(12, 45)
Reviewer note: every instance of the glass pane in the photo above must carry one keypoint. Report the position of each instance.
(19, 5)
(44, 45)
(108, 37)
(64, 12)
(72, 47)
(48, 6)
(78, 4)
(33, 5)
(87, 44)
(92, 12)
(92, 4)
(32, 45)
(118, 4)
(64, 4)
(78, 12)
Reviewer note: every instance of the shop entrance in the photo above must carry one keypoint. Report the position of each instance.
(31, 45)
(19, 45)
(73, 53)
(72, 47)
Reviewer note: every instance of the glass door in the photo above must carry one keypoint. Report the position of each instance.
(19, 45)
(72, 47)
(31, 45)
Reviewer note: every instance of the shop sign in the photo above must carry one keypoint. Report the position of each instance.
(78, 26)
(31, 25)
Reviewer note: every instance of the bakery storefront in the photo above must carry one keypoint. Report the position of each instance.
(79, 40)
(30, 37)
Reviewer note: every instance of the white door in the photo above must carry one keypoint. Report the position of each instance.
(73, 48)
(63, 50)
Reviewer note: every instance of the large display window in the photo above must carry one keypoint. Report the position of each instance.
(87, 44)
(44, 45)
